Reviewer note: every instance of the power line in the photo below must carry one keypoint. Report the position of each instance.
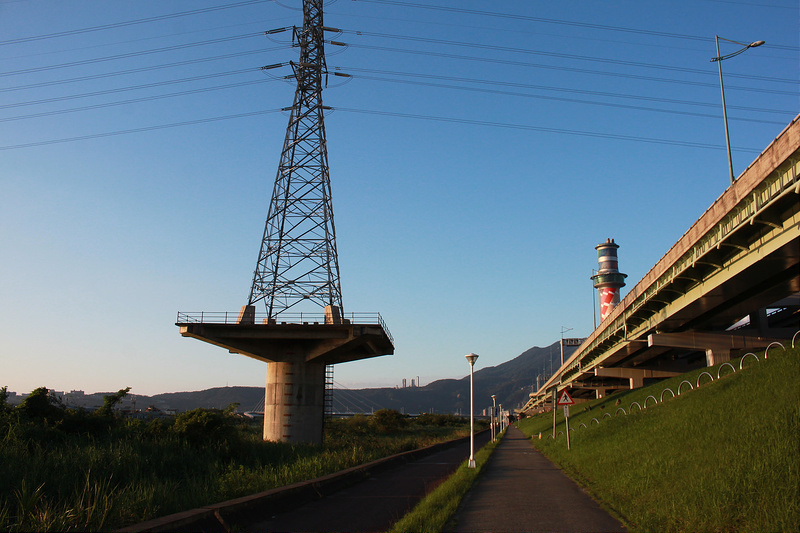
(388, 80)
(437, 42)
(559, 22)
(558, 89)
(564, 56)
(126, 89)
(543, 129)
(138, 70)
(387, 114)
(129, 22)
(135, 100)
(567, 69)
(139, 130)
(571, 100)
(131, 54)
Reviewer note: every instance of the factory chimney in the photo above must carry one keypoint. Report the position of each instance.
(608, 280)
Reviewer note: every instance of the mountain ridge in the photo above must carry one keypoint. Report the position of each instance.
(511, 382)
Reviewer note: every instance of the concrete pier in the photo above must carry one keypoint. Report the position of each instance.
(296, 355)
(293, 401)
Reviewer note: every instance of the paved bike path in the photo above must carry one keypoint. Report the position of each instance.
(520, 490)
(375, 504)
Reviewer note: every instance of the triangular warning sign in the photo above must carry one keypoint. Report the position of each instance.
(565, 398)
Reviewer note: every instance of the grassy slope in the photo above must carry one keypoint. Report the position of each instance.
(718, 458)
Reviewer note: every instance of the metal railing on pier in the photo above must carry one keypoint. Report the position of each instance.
(232, 317)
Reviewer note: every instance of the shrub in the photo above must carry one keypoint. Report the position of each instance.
(41, 405)
(431, 419)
(202, 425)
(388, 420)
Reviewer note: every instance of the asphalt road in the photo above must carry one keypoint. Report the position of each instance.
(520, 490)
(375, 504)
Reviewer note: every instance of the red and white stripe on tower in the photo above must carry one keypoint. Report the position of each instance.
(608, 280)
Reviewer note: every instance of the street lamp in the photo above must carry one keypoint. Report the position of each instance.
(719, 59)
(471, 358)
(494, 410)
(563, 330)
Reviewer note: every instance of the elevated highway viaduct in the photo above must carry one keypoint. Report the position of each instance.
(731, 284)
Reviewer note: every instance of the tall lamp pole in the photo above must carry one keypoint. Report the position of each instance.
(471, 358)
(494, 410)
(719, 59)
(563, 330)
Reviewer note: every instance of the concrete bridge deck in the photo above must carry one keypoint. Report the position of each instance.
(739, 258)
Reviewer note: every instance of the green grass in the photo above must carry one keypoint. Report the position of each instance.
(121, 472)
(434, 511)
(721, 457)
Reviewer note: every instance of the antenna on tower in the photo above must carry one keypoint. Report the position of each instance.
(298, 260)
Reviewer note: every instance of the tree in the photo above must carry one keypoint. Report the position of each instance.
(204, 425)
(111, 400)
(388, 420)
(42, 404)
(4, 405)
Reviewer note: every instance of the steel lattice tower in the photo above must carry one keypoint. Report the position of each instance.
(298, 260)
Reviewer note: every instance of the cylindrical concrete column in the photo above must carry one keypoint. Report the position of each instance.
(294, 408)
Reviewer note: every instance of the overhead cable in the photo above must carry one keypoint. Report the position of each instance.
(137, 70)
(131, 54)
(129, 22)
(556, 21)
(566, 56)
(568, 69)
(388, 114)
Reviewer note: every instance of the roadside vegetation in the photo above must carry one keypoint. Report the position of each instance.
(722, 456)
(70, 470)
(434, 511)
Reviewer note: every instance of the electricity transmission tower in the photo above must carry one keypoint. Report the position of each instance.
(298, 261)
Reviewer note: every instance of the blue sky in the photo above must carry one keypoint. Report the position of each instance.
(478, 153)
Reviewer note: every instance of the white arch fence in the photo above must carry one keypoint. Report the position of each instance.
(681, 390)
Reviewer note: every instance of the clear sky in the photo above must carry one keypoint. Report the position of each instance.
(478, 153)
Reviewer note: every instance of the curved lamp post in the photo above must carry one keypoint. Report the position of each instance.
(719, 59)
(471, 358)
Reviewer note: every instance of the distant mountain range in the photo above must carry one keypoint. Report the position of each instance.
(511, 382)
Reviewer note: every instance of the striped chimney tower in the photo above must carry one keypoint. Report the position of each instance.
(608, 280)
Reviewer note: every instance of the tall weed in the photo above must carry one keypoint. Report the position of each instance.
(102, 473)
